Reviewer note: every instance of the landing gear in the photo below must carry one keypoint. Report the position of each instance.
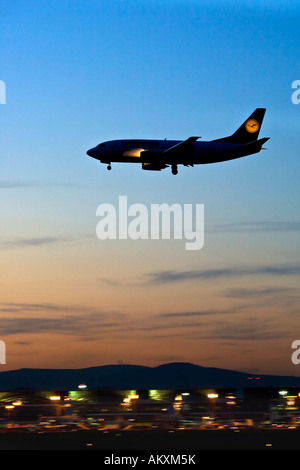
(174, 170)
(109, 167)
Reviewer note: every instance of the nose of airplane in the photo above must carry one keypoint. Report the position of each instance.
(94, 152)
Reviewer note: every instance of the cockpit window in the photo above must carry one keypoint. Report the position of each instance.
(100, 145)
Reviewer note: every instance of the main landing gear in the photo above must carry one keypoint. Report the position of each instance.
(174, 170)
(109, 167)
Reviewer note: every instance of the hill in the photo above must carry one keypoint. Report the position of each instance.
(166, 376)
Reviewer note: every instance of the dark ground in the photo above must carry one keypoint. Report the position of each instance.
(256, 439)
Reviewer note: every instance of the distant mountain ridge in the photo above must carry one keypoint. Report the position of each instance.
(178, 375)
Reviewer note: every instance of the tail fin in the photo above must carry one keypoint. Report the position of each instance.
(248, 131)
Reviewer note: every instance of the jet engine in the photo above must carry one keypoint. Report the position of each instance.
(153, 166)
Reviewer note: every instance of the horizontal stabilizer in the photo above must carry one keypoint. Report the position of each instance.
(255, 146)
(258, 142)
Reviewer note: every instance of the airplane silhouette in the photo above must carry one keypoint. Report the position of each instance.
(157, 155)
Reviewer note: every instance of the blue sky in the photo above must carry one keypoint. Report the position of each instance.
(78, 73)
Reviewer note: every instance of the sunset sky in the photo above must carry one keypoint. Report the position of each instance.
(78, 73)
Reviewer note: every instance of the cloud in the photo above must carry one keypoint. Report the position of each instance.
(172, 276)
(252, 329)
(188, 314)
(86, 323)
(186, 325)
(24, 242)
(76, 320)
(263, 226)
(70, 325)
(14, 184)
(10, 184)
(24, 343)
(200, 313)
(261, 292)
(246, 329)
(280, 298)
(41, 241)
(19, 307)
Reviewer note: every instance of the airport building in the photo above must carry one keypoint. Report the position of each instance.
(151, 409)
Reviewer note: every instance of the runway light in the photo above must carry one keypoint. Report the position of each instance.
(290, 400)
(82, 386)
(177, 403)
(54, 398)
(212, 395)
(17, 403)
(127, 401)
(133, 397)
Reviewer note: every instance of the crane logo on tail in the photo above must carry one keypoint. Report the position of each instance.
(252, 125)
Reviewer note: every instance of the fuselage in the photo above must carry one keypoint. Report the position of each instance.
(146, 151)
(157, 155)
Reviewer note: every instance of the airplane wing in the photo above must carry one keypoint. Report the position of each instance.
(184, 146)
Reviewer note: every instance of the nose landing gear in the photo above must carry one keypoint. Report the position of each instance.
(109, 167)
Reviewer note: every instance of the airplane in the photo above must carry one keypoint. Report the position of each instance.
(157, 155)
